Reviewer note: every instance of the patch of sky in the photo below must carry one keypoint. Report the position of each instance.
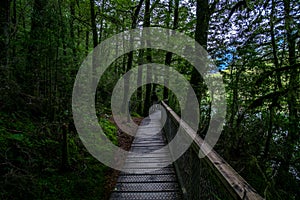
(224, 60)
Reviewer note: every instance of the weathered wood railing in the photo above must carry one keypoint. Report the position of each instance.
(204, 178)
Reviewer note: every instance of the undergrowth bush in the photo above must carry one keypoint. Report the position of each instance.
(30, 161)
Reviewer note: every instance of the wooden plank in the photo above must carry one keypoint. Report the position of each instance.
(148, 184)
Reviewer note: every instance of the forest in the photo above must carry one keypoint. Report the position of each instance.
(255, 45)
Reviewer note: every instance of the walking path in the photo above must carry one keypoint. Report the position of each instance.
(159, 184)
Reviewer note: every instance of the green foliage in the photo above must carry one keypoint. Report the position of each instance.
(109, 129)
(30, 162)
(134, 114)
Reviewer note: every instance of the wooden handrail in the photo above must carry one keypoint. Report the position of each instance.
(235, 184)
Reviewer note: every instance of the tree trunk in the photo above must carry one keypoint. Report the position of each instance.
(87, 41)
(139, 92)
(168, 58)
(13, 31)
(93, 23)
(33, 67)
(274, 45)
(101, 22)
(293, 132)
(65, 152)
(72, 32)
(270, 134)
(149, 59)
(4, 30)
(201, 33)
(130, 55)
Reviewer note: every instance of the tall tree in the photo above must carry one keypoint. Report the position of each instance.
(72, 31)
(36, 36)
(201, 35)
(149, 59)
(168, 58)
(4, 30)
(293, 85)
(134, 17)
(93, 23)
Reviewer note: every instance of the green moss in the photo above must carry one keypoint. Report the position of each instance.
(109, 129)
(134, 114)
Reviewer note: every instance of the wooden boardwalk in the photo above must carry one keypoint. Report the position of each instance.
(147, 184)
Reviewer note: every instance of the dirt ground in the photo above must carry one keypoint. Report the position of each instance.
(111, 176)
